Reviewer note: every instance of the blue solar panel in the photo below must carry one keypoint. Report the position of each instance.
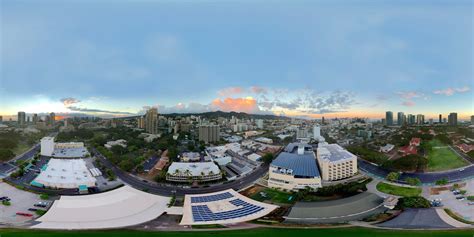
(211, 198)
(202, 213)
(302, 165)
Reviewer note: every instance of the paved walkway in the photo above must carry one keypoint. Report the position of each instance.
(372, 187)
(449, 220)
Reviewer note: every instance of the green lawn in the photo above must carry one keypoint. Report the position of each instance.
(274, 232)
(397, 190)
(443, 158)
(21, 148)
(274, 196)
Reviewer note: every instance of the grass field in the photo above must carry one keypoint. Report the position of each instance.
(441, 157)
(274, 196)
(397, 190)
(21, 148)
(274, 232)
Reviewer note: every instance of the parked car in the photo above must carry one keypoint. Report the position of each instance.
(24, 214)
(32, 209)
(40, 205)
(460, 198)
(4, 198)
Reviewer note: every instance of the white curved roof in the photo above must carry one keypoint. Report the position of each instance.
(121, 207)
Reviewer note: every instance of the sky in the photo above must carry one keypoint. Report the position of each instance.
(296, 58)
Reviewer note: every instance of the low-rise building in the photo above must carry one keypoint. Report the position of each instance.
(189, 172)
(295, 169)
(335, 162)
(190, 157)
(120, 142)
(387, 148)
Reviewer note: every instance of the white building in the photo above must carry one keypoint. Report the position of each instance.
(190, 157)
(295, 169)
(120, 142)
(62, 149)
(387, 148)
(335, 162)
(259, 123)
(188, 172)
(47, 146)
(264, 140)
(65, 173)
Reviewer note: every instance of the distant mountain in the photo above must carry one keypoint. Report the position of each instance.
(216, 114)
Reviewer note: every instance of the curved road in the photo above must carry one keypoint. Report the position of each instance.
(168, 190)
(427, 178)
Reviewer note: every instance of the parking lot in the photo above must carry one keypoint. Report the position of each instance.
(20, 202)
(461, 207)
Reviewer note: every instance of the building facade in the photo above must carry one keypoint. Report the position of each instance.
(389, 118)
(151, 121)
(209, 133)
(295, 169)
(335, 162)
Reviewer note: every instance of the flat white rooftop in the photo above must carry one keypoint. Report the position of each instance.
(118, 208)
(61, 173)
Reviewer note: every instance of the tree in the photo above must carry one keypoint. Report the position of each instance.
(413, 181)
(393, 176)
(267, 158)
(118, 150)
(413, 202)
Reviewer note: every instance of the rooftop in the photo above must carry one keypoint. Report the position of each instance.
(195, 169)
(334, 152)
(297, 165)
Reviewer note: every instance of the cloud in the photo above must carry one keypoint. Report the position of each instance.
(87, 110)
(258, 90)
(69, 101)
(230, 91)
(408, 95)
(451, 91)
(247, 105)
(408, 103)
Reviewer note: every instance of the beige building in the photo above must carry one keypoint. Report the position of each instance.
(209, 133)
(151, 121)
(335, 162)
(295, 169)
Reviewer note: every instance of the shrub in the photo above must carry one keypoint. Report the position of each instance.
(413, 181)
(470, 198)
(6, 203)
(442, 181)
(393, 176)
(44, 196)
(413, 202)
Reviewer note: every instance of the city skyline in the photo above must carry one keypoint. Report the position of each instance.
(308, 60)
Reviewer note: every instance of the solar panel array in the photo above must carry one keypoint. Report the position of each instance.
(202, 213)
(211, 198)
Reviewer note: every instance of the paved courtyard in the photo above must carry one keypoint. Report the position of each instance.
(20, 202)
(417, 219)
(460, 207)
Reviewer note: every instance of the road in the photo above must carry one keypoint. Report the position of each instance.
(427, 178)
(168, 190)
(7, 167)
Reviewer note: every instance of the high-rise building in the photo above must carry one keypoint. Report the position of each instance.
(472, 119)
(411, 119)
(1, 118)
(316, 132)
(21, 119)
(440, 118)
(209, 133)
(259, 123)
(52, 119)
(151, 121)
(35, 118)
(389, 118)
(420, 119)
(400, 119)
(453, 119)
(141, 122)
